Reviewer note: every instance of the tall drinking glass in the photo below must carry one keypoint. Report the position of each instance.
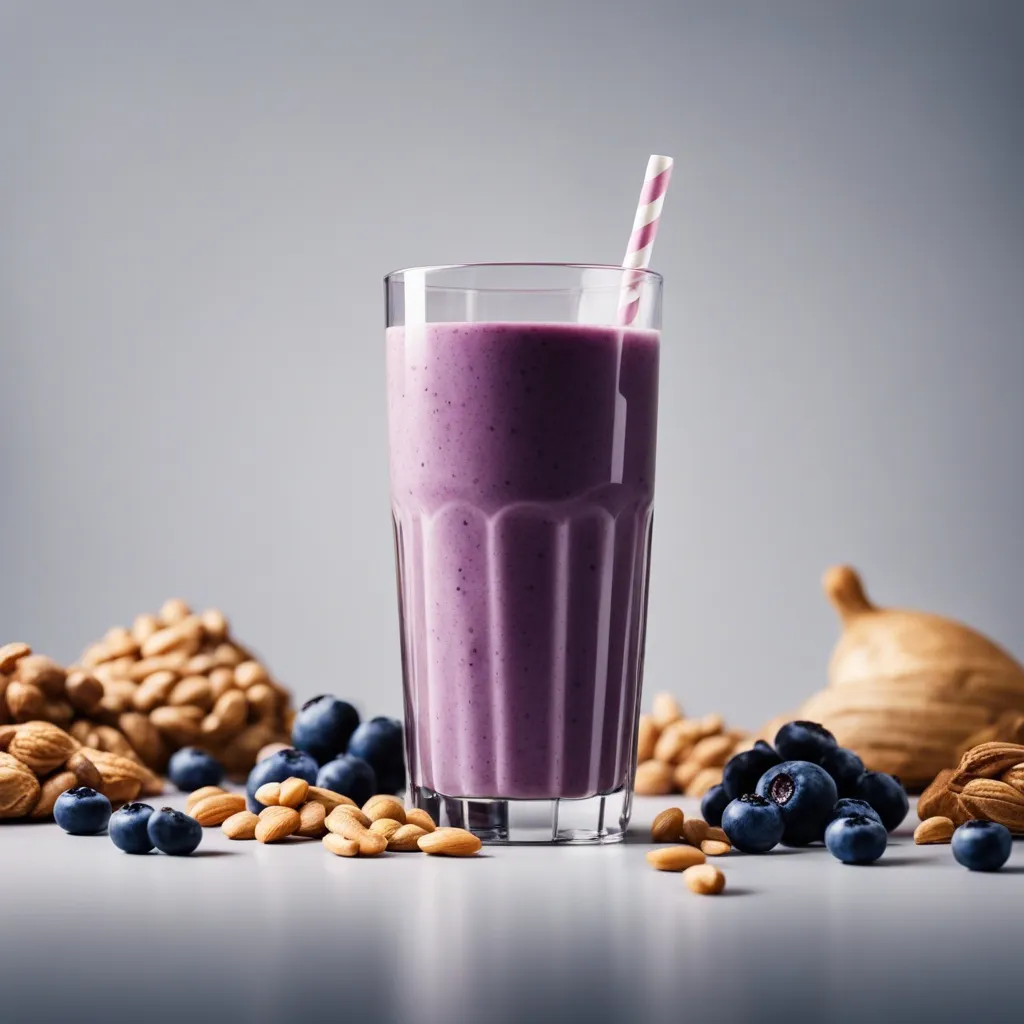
(522, 423)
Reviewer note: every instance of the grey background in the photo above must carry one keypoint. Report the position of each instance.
(198, 201)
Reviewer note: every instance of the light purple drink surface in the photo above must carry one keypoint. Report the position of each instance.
(522, 478)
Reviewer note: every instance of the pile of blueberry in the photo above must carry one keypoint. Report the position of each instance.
(333, 750)
(806, 789)
(135, 828)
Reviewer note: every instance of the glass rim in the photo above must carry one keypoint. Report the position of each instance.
(643, 273)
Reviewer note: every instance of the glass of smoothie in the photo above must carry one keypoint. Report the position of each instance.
(522, 419)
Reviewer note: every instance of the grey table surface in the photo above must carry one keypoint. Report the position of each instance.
(242, 931)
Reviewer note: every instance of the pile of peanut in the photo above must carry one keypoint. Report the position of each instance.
(39, 761)
(684, 755)
(295, 808)
(173, 679)
(698, 840)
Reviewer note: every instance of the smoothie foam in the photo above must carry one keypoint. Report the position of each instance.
(522, 479)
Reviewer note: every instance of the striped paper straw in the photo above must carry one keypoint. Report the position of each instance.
(645, 229)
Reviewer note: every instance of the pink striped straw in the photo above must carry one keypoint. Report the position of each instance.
(645, 229)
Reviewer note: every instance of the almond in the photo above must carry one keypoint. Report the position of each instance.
(42, 746)
(449, 842)
(667, 826)
(704, 879)
(217, 808)
(154, 690)
(122, 791)
(934, 830)
(666, 710)
(84, 691)
(991, 799)
(172, 611)
(1014, 777)
(715, 848)
(228, 655)
(222, 680)
(269, 794)
(717, 835)
(50, 790)
(85, 771)
(179, 725)
(276, 823)
(329, 798)
(214, 623)
(674, 858)
(350, 827)
(338, 820)
(183, 637)
(646, 738)
(711, 725)
(144, 627)
(248, 673)
(142, 670)
(143, 735)
(25, 701)
(114, 742)
(694, 831)
(39, 670)
(653, 779)
(311, 820)
(11, 654)
(241, 825)
(684, 774)
(674, 744)
(987, 760)
(405, 838)
(711, 752)
(340, 846)
(119, 643)
(199, 665)
(59, 712)
(384, 806)
(19, 788)
(201, 794)
(192, 690)
(386, 827)
(416, 816)
(293, 792)
(703, 781)
(7, 734)
(115, 768)
(262, 698)
(939, 801)
(118, 696)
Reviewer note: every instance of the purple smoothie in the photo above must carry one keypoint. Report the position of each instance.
(522, 479)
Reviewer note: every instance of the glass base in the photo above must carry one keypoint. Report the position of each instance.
(596, 819)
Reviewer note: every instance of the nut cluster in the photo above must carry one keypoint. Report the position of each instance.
(988, 784)
(39, 761)
(679, 754)
(173, 679)
(295, 808)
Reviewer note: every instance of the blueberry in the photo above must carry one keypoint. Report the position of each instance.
(753, 824)
(845, 767)
(856, 840)
(191, 768)
(351, 776)
(804, 741)
(379, 742)
(742, 772)
(324, 726)
(848, 807)
(716, 799)
(128, 828)
(806, 794)
(82, 811)
(982, 845)
(276, 768)
(886, 794)
(174, 832)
